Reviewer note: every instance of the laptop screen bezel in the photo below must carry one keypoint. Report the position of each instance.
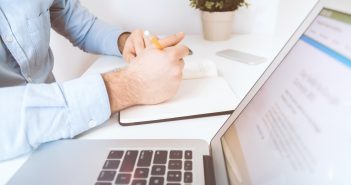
(215, 145)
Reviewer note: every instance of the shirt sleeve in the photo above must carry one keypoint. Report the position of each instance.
(83, 29)
(39, 113)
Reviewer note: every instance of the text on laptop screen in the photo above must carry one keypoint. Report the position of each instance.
(297, 128)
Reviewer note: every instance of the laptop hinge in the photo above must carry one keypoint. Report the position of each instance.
(208, 170)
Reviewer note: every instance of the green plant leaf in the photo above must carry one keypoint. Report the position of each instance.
(209, 4)
(218, 5)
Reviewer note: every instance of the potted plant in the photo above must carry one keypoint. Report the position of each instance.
(217, 17)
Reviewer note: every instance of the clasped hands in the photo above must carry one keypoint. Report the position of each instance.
(152, 75)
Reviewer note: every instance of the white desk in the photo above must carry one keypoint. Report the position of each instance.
(240, 76)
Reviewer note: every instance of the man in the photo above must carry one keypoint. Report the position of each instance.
(34, 109)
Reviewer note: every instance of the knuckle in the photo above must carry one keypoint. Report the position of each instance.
(183, 49)
(173, 55)
(182, 64)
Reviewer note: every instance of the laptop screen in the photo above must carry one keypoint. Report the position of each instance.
(297, 128)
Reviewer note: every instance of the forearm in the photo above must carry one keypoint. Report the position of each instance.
(103, 38)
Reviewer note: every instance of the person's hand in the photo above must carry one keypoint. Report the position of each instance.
(132, 44)
(152, 77)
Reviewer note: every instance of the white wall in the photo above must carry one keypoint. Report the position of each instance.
(170, 16)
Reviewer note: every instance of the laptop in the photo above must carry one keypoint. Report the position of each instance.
(293, 127)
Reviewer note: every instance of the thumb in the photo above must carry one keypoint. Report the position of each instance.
(172, 40)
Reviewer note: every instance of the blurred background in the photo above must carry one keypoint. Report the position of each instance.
(163, 17)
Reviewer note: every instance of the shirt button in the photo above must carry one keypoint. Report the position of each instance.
(92, 123)
(9, 38)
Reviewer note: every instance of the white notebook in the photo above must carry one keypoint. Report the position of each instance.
(202, 93)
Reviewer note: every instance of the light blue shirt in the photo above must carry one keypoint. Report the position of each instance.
(34, 108)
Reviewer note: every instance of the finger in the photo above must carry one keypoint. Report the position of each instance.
(138, 40)
(178, 51)
(129, 57)
(181, 61)
(172, 40)
(181, 65)
(147, 41)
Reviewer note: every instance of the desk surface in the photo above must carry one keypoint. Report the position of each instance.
(241, 77)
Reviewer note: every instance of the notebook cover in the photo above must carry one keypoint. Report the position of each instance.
(195, 98)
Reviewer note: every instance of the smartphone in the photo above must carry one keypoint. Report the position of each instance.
(240, 56)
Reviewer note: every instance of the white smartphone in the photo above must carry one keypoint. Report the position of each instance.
(240, 56)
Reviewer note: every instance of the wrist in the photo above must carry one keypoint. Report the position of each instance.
(122, 40)
(121, 89)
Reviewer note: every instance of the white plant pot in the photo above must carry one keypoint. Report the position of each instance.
(217, 26)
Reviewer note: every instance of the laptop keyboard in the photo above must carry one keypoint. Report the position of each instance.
(147, 167)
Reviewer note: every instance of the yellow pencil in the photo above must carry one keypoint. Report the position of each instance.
(153, 40)
(156, 43)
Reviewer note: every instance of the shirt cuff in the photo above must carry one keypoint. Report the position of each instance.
(88, 103)
(103, 38)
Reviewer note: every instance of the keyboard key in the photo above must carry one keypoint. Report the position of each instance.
(188, 165)
(103, 183)
(174, 176)
(123, 178)
(145, 158)
(160, 157)
(176, 154)
(106, 175)
(156, 180)
(139, 182)
(175, 165)
(158, 170)
(141, 173)
(111, 164)
(173, 183)
(115, 154)
(188, 177)
(129, 161)
(188, 154)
